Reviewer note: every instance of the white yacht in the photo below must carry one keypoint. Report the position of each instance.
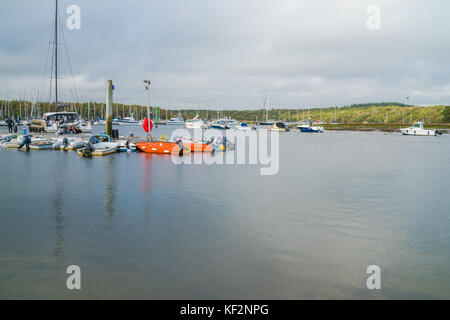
(195, 123)
(418, 130)
(177, 121)
(53, 121)
(126, 121)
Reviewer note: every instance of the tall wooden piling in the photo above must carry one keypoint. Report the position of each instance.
(109, 107)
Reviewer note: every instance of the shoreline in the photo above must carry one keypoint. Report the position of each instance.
(444, 128)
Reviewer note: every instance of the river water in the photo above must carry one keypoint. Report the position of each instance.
(140, 226)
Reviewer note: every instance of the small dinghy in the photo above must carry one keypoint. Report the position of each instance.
(43, 144)
(7, 139)
(98, 146)
(68, 144)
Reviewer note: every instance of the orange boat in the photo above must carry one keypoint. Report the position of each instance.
(164, 147)
(160, 147)
(198, 147)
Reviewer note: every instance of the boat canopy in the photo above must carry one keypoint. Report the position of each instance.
(100, 138)
(61, 116)
(280, 125)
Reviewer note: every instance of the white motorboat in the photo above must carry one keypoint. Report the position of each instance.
(84, 126)
(100, 122)
(176, 121)
(228, 121)
(307, 126)
(126, 121)
(7, 139)
(220, 124)
(244, 127)
(418, 130)
(195, 123)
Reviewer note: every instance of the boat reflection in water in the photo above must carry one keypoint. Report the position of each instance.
(110, 188)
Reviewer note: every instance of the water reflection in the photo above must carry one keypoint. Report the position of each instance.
(110, 188)
(59, 179)
(146, 166)
(146, 183)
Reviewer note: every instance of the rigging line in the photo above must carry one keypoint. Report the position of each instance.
(51, 77)
(68, 61)
(44, 81)
(51, 74)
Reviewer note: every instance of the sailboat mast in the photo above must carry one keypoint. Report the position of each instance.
(56, 54)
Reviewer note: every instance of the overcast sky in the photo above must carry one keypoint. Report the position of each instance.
(200, 53)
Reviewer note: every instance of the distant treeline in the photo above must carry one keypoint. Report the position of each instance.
(387, 112)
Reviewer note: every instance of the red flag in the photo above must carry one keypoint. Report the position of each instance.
(146, 126)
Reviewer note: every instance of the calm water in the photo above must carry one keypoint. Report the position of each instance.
(141, 227)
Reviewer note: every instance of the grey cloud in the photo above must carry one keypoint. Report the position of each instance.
(196, 52)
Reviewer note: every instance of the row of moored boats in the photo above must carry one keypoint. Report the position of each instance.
(102, 144)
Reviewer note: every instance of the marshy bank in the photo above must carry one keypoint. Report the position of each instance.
(443, 128)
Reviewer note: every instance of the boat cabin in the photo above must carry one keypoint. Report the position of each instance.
(61, 117)
(418, 125)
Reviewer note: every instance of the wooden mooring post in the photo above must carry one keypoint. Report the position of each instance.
(109, 107)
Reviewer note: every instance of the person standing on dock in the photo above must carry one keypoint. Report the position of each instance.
(9, 122)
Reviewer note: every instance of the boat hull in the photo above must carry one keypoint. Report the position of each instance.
(244, 129)
(413, 132)
(73, 146)
(41, 146)
(176, 123)
(126, 123)
(194, 126)
(101, 149)
(198, 147)
(309, 129)
(219, 127)
(159, 147)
